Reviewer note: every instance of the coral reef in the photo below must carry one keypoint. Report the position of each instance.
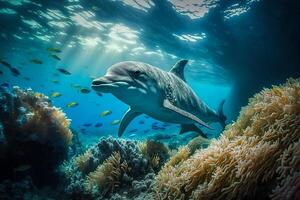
(76, 146)
(35, 135)
(82, 161)
(155, 152)
(198, 142)
(108, 175)
(108, 169)
(257, 157)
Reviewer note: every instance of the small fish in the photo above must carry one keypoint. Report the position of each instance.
(99, 94)
(72, 104)
(98, 124)
(115, 122)
(55, 81)
(85, 90)
(5, 85)
(133, 130)
(141, 122)
(55, 94)
(105, 113)
(55, 57)
(87, 124)
(52, 49)
(15, 71)
(36, 61)
(22, 168)
(83, 131)
(6, 64)
(64, 71)
(132, 135)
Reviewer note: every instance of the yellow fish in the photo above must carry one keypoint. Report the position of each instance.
(115, 122)
(105, 113)
(85, 90)
(52, 49)
(55, 94)
(72, 104)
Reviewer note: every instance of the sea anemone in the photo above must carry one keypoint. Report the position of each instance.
(155, 152)
(83, 161)
(107, 177)
(255, 157)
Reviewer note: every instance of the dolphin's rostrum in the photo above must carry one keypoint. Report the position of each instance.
(162, 95)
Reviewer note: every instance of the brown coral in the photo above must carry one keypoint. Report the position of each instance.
(48, 121)
(261, 148)
(107, 176)
(155, 152)
(82, 161)
(36, 133)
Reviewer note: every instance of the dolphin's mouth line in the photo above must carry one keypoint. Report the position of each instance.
(114, 84)
(104, 85)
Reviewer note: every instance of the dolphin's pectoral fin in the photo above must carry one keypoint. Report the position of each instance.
(127, 118)
(167, 104)
(191, 127)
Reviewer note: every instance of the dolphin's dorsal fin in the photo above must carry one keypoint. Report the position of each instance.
(127, 118)
(167, 104)
(178, 69)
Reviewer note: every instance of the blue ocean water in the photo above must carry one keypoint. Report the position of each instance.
(222, 41)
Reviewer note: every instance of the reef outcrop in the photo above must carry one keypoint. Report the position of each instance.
(256, 157)
(114, 168)
(35, 136)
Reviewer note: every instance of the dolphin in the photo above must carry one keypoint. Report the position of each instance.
(162, 95)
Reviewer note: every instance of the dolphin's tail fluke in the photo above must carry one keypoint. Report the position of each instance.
(222, 117)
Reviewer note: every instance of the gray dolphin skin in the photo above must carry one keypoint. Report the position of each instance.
(165, 96)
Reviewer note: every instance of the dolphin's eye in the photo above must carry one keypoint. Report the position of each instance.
(136, 73)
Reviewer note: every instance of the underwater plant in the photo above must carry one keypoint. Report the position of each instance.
(257, 157)
(82, 161)
(36, 134)
(155, 152)
(182, 154)
(108, 175)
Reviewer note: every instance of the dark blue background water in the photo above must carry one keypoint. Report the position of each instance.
(235, 48)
